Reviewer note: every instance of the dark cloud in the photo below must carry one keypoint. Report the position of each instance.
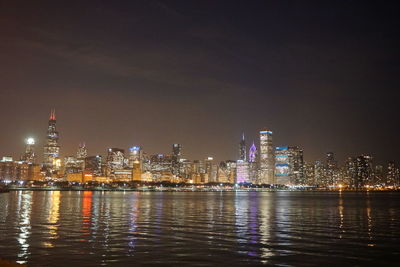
(323, 76)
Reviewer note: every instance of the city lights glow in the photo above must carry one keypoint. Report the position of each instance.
(30, 141)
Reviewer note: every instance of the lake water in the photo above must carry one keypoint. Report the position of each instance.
(71, 228)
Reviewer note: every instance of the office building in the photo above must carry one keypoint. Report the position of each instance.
(51, 157)
(29, 155)
(266, 159)
(242, 149)
(176, 157)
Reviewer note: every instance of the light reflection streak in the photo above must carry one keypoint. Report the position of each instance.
(133, 223)
(266, 215)
(86, 214)
(341, 214)
(253, 224)
(105, 211)
(369, 220)
(241, 218)
(53, 217)
(24, 222)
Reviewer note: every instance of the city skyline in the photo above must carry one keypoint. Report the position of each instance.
(241, 151)
(322, 76)
(267, 165)
(176, 132)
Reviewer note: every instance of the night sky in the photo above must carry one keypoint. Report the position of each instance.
(322, 75)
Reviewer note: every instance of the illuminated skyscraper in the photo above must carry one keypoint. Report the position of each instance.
(211, 170)
(289, 165)
(242, 166)
(242, 149)
(391, 178)
(72, 165)
(349, 171)
(379, 175)
(330, 169)
(93, 164)
(115, 160)
(266, 158)
(135, 156)
(319, 173)
(82, 152)
(176, 156)
(51, 149)
(297, 166)
(282, 165)
(364, 172)
(29, 155)
(242, 172)
(253, 153)
(309, 174)
(253, 168)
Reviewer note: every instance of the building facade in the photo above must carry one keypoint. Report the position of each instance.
(266, 159)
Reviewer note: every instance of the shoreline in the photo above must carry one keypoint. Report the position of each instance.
(7, 190)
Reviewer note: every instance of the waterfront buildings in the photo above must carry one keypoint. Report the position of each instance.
(266, 165)
(115, 161)
(359, 171)
(289, 165)
(93, 164)
(392, 177)
(242, 172)
(11, 170)
(282, 161)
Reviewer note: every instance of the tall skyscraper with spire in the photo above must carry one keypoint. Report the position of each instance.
(242, 149)
(242, 166)
(51, 149)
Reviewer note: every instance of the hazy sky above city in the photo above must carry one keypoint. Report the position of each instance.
(322, 75)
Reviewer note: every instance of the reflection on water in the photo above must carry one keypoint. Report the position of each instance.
(341, 215)
(53, 217)
(86, 215)
(23, 218)
(200, 228)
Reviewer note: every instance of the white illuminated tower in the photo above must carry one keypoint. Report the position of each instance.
(29, 156)
(266, 158)
(51, 149)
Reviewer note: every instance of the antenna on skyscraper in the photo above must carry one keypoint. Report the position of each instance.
(53, 114)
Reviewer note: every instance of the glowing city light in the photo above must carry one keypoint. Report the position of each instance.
(30, 141)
